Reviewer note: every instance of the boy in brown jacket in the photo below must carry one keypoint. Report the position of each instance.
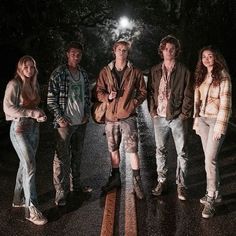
(125, 92)
(170, 102)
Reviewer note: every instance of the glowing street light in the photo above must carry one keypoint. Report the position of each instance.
(124, 27)
(124, 22)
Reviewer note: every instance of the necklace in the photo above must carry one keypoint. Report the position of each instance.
(74, 74)
(120, 68)
(208, 78)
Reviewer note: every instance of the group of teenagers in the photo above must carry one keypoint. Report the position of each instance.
(174, 95)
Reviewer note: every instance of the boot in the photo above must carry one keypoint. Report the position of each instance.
(209, 208)
(114, 181)
(138, 188)
(159, 189)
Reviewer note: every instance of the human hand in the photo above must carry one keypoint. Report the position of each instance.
(42, 119)
(216, 136)
(112, 95)
(196, 125)
(85, 120)
(182, 117)
(37, 113)
(63, 123)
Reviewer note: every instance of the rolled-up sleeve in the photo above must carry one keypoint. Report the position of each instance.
(11, 105)
(224, 107)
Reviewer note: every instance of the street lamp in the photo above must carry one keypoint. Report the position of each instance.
(124, 22)
(125, 27)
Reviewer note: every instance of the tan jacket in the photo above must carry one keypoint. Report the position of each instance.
(214, 102)
(12, 103)
(130, 95)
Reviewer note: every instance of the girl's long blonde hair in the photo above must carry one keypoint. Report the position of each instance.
(34, 95)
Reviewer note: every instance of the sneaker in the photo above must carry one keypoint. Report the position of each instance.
(159, 189)
(60, 198)
(113, 182)
(138, 188)
(17, 205)
(218, 199)
(35, 216)
(182, 194)
(209, 209)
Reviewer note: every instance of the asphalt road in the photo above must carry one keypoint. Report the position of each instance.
(83, 215)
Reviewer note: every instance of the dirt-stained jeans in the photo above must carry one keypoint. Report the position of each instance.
(68, 155)
(24, 136)
(162, 129)
(211, 149)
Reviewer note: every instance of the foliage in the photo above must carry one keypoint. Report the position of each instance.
(42, 28)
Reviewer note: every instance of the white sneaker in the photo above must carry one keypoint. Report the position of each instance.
(18, 205)
(35, 216)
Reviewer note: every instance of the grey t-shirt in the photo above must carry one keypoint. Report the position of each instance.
(75, 103)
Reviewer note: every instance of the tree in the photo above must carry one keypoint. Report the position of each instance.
(41, 28)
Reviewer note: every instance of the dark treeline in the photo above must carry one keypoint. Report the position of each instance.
(41, 28)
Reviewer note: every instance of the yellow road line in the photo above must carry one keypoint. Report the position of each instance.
(130, 207)
(109, 214)
(130, 215)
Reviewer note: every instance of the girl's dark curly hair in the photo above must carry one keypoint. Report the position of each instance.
(201, 70)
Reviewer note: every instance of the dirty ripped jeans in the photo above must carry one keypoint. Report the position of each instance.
(24, 136)
(162, 129)
(67, 158)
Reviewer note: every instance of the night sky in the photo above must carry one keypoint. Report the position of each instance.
(42, 29)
